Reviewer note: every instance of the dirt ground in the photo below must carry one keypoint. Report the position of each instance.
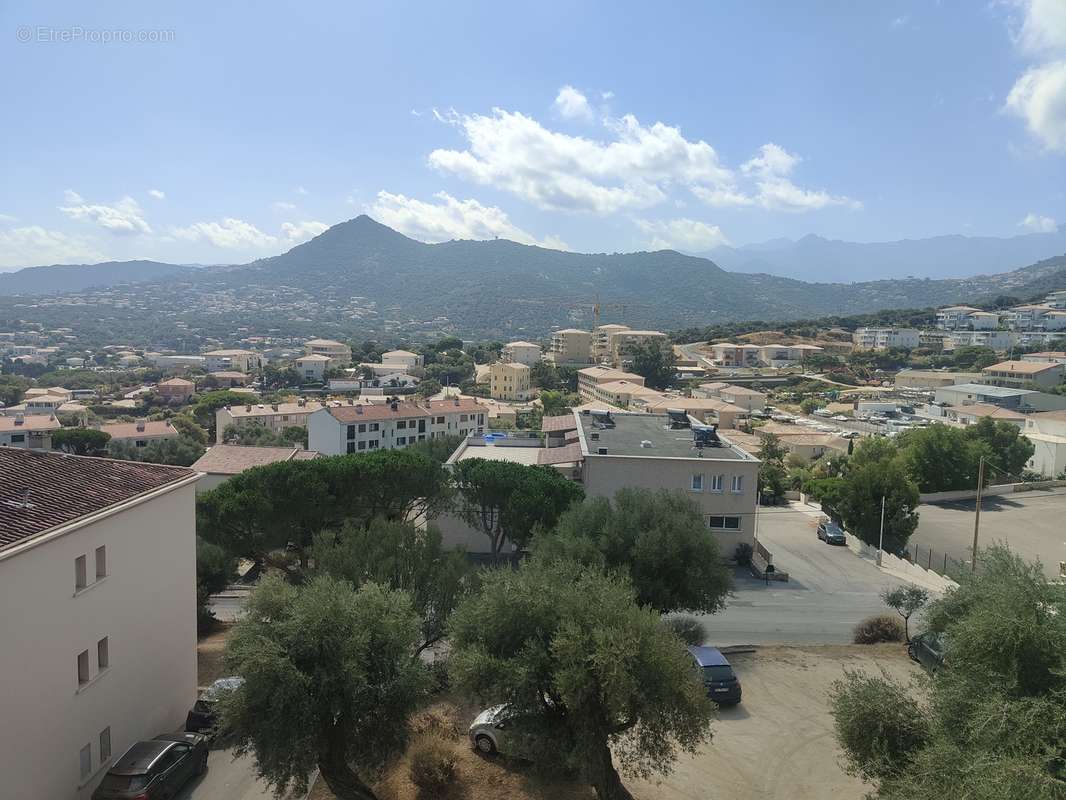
(777, 744)
(209, 655)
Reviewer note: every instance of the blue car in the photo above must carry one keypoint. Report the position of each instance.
(722, 684)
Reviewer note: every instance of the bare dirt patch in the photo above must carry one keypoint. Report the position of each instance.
(209, 652)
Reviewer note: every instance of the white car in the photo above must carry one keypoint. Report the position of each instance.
(488, 730)
(840, 418)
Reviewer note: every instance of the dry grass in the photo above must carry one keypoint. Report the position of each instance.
(209, 652)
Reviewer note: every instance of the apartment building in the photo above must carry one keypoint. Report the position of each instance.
(998, 340)
(98, 564)
(339, 429)
(276, 416)
(510, 381)
(727, 354)
(313, 367)
(885, 338)
(404, 358)
(235, 360)
(141, 432)
(708, 410)
(1025, 400)
(1047, 432)
(1056, 299)
(338, 353)
(932, 378)
(570, 347)
(520, 353)
(954, 318)
(222, 461)
(624, 394)
(601, 341)
(786, 355)
(1024, 374)
(30, 431)
(623, 342)
(1036, 318)
(1047, 357)
(176, 391)
(591, 377)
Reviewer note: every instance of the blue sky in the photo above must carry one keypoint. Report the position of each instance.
(235, 130)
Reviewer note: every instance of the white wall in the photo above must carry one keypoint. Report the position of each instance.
(146, 606)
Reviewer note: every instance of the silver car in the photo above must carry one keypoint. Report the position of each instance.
(488, 731)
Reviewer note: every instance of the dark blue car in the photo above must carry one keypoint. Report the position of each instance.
(721, 682)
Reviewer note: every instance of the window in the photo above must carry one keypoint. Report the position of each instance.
(373, 444)
(362, 427)
(351, 431)
(724, 523)
(440, 420)
(80, 581)
(717, 483)
(18, 438)
(141, 443)
(101, 562)
(86, 756)
(362, 445)
(374, 426)
(738, 484)
(462, 417)
(105, 744)
(401, 424)
(401, 440)
(351, 447)
(83, 667)
(697, 483)
(102, 662)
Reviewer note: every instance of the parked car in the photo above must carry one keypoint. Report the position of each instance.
(203, 716)
(721, 682)
(502, 729)
(155, 769)
(831, 533)
(928, 650)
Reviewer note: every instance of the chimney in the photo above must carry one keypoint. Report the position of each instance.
(248, 408)
(141, 424)
(359, 410)
(273, 406)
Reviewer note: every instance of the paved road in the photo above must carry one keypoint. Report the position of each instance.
(1031, 523)
(226, 779)
(830, 589)
(229, 605)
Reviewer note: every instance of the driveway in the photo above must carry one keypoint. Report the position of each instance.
(227, 779)
(829, 590)
(1031, 523)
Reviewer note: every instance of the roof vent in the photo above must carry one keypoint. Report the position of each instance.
(141, 424)
(19, 418)
(601, 451)
(594, 436)
(645, 443)
(394, 405)
(358, 409)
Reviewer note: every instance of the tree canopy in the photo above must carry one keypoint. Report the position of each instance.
(570, 646)
(655, 362)
(330, 678)
(80, 441)
(178, 451)
(508, 502)
(657, 539)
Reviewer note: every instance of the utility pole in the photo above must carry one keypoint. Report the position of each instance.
(977, 512)
(881, 539)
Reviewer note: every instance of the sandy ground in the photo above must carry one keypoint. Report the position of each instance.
(209, 655)
(778, 743)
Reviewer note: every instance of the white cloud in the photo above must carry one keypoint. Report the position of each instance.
(301, 190)
(777, 192)
(1043, 27)
(450, 219)
(899, 22)
(33, 245)
(572, 104)
(281, 205)
(158, 194)
(301, 231)
(1039, 224)
(8, 218)
(1039, 98)
(123, 218)
(637, 166)
(228, 233)
(556, 171)
(682, 234)
(72, 198)
(608, 95)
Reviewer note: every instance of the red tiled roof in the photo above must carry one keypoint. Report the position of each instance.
(561, 423)
(63, 488)
(30, 422)
(153, 429)
(560, 455)
(232, 459)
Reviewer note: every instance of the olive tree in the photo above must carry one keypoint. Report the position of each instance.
(906, 600)
(657, 539)
(330, 677)
(566, 643)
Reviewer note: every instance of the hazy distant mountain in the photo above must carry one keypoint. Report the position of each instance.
(361, 275)
(813, 258)
(74, 277)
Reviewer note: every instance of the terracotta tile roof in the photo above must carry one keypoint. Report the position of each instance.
(266, 410)
(153, 429)
(177, 382)
(30, 422)
(63, 488)
(1022, 367)
(232, 459)
(987, 410)
(313, 357)
(228, 375)
(566, 454)
(562, 423)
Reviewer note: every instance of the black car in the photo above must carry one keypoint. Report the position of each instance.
(203, 716)
(722, 684)
(831, 533)
(155, 769)
(928, 650)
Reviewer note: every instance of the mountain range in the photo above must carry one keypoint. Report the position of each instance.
(814, 258)
(360, 275)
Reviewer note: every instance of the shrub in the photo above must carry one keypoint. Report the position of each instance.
(442, 720)
(880, 628)
(742, 555)
(432, 763)
(438, 673)
(687, 629)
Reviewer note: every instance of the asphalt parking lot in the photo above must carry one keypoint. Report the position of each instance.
(1031, 523)
(830, 589)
